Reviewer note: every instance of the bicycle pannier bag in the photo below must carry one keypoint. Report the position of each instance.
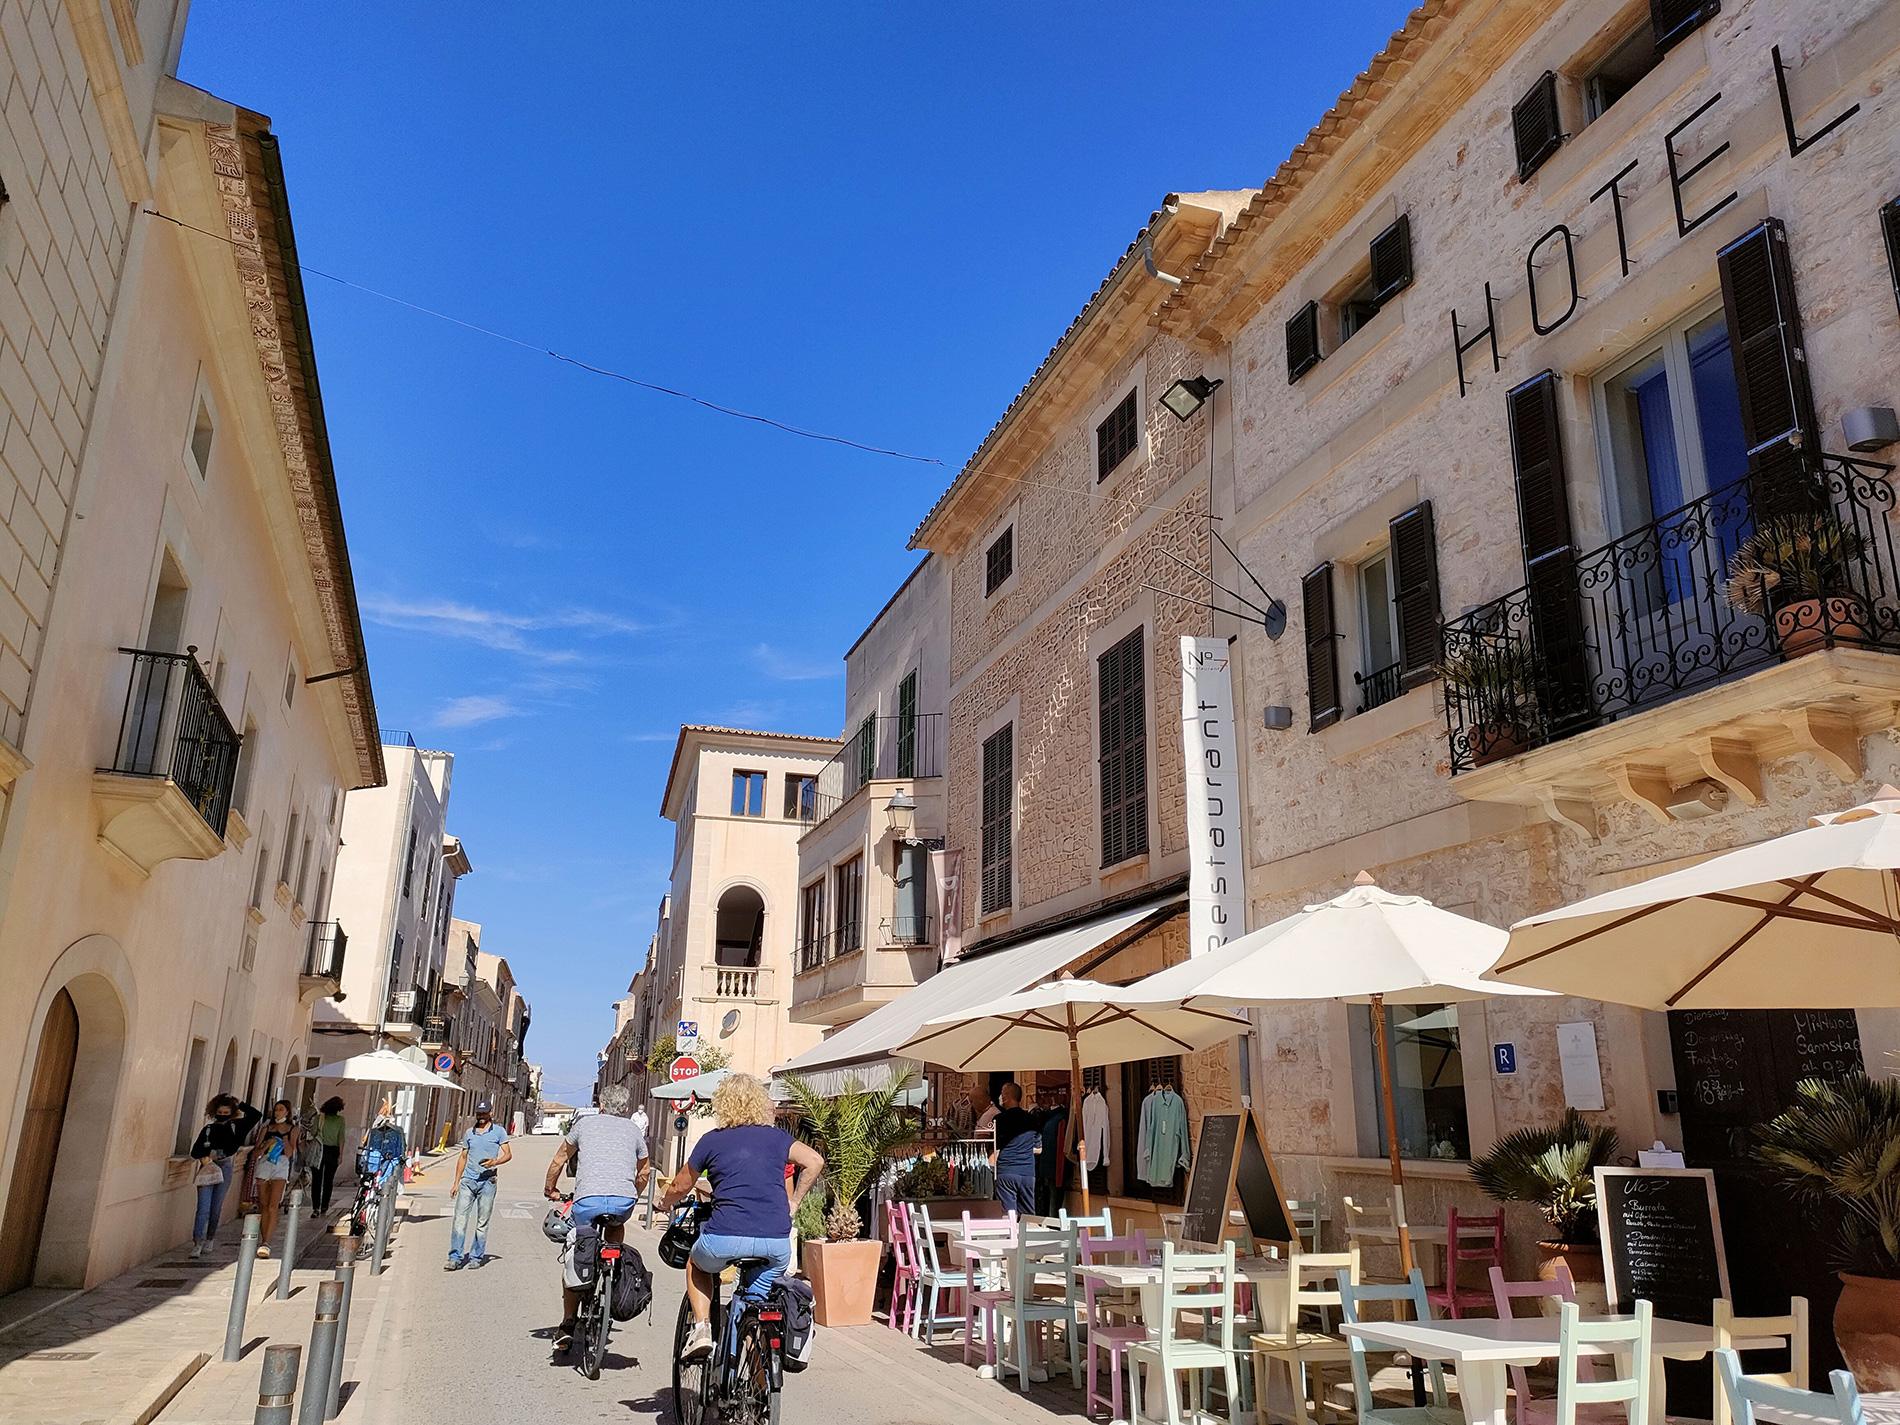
(580, 1259)
(633, 1286)
(794, 1295)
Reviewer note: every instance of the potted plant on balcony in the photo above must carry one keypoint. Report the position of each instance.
(1838, 1149)
(854, 1129)
(1493, 678)
(1794, 569)
(1554, 1169)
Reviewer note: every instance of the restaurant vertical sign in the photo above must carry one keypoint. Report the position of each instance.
(1217, 893)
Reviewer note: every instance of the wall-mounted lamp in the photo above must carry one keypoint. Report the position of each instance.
(902, 811)
(1189, 394)
(1278, 718)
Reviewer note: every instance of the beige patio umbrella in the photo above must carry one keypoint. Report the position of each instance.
(1066, 1024)
(380, 1066)
(1367, 947)
(1810, 920)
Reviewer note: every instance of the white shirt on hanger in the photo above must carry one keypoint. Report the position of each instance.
(1095, 1129)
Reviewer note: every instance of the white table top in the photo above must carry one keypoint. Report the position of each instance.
(1130, 1274)
(1526, 1338)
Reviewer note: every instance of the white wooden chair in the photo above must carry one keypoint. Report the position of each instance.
(1744, 1394)
(1099, 1225)
(1174, 1354)
(1039, 1254)
(1408, 1296)
(1303, 1214)
(1628, 1338)
(933, 1279)
(1375, 1227)
(1303, 1352)
(1729, 1328)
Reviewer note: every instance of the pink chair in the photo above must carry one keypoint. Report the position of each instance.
(1452, 1298)
(1561, 1288)
(904, 1263)
(1107, 1331)
(981, 1297)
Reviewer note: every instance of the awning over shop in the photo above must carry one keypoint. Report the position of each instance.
(861, 1050)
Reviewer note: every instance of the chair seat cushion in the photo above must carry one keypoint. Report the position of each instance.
(1119, 1335)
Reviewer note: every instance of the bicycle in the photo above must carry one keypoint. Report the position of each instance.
(742, 1377)
(594, 1318)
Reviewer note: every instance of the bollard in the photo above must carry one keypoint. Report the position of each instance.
(278, 1385)
(345, 1273)
(316, 1381)
(385, 1215)
(291, 1213)
(241, 1289)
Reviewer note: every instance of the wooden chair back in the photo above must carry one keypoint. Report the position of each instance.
(1408, 1303)
(1560, 1288)
(1574, 1388)
(1793, 1327)
(1199, 1282)
(1101, 1222)
(1314, 1279)
(1744, 1394)
(897, 1216)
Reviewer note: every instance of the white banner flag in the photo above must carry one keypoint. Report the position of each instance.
(1217, 892)
(946, 869)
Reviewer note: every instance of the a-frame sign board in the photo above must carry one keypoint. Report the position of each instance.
(1231, 1158)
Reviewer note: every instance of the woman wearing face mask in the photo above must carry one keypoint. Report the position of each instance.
(272, 1157)
(227, 1124)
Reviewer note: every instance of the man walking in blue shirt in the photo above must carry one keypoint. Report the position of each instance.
(484, 1149)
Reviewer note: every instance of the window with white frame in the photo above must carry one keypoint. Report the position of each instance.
(1378, 675)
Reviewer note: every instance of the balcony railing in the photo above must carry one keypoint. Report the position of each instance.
(405, 1006)
(880, 749)
(907, 930)
(172, 727)
(1738, 580)
(742, 982)
(438, 1029)
(323, 954)
(814, 951)
(1378, 688)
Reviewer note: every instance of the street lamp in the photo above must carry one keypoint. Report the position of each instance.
(902, 810)
(1189, 394)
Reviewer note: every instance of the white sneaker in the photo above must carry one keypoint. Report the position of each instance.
(263, 1251)
(197, 1250)
(698, 1344)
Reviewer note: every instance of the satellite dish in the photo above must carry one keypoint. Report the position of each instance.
(730, 1022)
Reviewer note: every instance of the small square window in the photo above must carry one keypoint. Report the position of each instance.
(1116, 437)
(999, 561)
(801, 796)
(748, 794)
(201, 434)
(290, 683)
(1621, 70)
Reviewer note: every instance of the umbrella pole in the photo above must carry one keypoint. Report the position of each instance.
(1075, 1113)
(1392, 1133)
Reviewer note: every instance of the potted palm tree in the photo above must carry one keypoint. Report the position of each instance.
(1554, 1169)
(1493, 678)
(1838, 1149)
(854, 1129)
(1794, 569)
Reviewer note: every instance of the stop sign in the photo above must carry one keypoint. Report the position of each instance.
(685, 1067)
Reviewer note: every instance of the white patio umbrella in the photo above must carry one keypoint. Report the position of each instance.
(1368, 947)
(1810, 920)
(380, 1066)
(700, 1086)
(1066, 1024)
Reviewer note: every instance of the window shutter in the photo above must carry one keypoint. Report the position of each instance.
(907, 725)
(1673, 20)
(1392, 260)
(1543, 512)
(1302, 342)
(1890, 230)
(1415, 592)
(1123, 733)
(1771, 368)
(1322, 664)
(1536, 127)
(999, 794)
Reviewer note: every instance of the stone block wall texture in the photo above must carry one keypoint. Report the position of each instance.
(1102, 543)
(62, 244)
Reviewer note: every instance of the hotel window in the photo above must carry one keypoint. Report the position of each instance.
(849, 882)
(1378, 675)
(748, 794)
(1386, 272)
(1620, 70)
(1121, 687)
(999, 561)
(801, 796)
(811, 925)
(1428, 1081)
(1117, 437)
(999, 807)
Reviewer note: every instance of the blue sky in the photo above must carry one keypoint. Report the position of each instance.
(865, 219)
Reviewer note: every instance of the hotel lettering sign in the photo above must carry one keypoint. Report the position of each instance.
(1557, 247)
(1217, 892)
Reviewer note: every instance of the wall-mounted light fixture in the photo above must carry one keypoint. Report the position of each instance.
(1278, 718)
(902, 811)
(1189, 394)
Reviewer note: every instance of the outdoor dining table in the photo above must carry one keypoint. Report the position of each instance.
(991, 1255)
(1481, 1351)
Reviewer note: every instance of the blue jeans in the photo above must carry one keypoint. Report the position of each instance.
(714, 1253)
(204, 1226)
(586, 1209)
(475, 1200)
(1017, 1194)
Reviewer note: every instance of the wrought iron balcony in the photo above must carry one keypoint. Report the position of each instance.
(1741, 579)
(814, 951)
(167, 791)
(907, 930)
(323, 953)
(405, 1006)
(880, 749)
(1379, 687)
(437, 1029)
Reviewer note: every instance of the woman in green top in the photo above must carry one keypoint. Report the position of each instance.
(330, 1134)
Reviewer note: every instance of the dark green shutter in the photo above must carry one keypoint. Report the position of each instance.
(1536, 127)
(1322, 663)
(1415, 593)
(1543, 511)
(1302, 342)
(1771, 369)
(907, 725)
(999, 797)
(1121, 692)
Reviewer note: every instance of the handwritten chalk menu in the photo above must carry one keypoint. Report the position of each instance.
(1738, 1068)
(1662, 1240)
(1820, 1043)
(1231, 1157)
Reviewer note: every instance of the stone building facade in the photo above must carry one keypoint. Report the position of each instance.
(1692, 182)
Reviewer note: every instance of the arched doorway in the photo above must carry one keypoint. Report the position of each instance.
(739, 928)
(47, 1093)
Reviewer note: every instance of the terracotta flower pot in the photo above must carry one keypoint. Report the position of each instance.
(1867, 1329)
(1806, 624)
(843, 1280)
(1491, 741)
(1585, 1260)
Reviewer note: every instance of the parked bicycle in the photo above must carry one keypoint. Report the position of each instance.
(742, 1377)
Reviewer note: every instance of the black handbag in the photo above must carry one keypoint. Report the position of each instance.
(681, 1235)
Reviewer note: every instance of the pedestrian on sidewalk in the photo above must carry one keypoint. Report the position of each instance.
(485, 1148)
(272, 1157)
(1018, 1146)
(228, 1123)
(330, 1141)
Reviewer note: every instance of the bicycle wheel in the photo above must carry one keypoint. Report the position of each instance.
(692, 1380)
(755, 1402)
(603, 1326)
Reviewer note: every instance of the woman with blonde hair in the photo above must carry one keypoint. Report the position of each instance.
(744, 1158)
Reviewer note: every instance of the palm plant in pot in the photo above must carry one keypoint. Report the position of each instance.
(1838, 1150)
(1554, 1169)
(1493, 678)
(855, 1129)
(1794, 569)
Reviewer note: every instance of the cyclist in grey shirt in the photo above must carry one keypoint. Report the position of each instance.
(613, 1171)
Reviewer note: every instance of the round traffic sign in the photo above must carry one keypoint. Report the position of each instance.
(445, 1063)
(685, 1067)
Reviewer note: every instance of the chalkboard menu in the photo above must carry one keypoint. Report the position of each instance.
(1230, 1157)
(1662, 1240)
(1736, 1068)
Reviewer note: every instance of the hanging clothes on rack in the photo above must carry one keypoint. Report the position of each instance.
(1095, 1128)
(1164, 1137)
